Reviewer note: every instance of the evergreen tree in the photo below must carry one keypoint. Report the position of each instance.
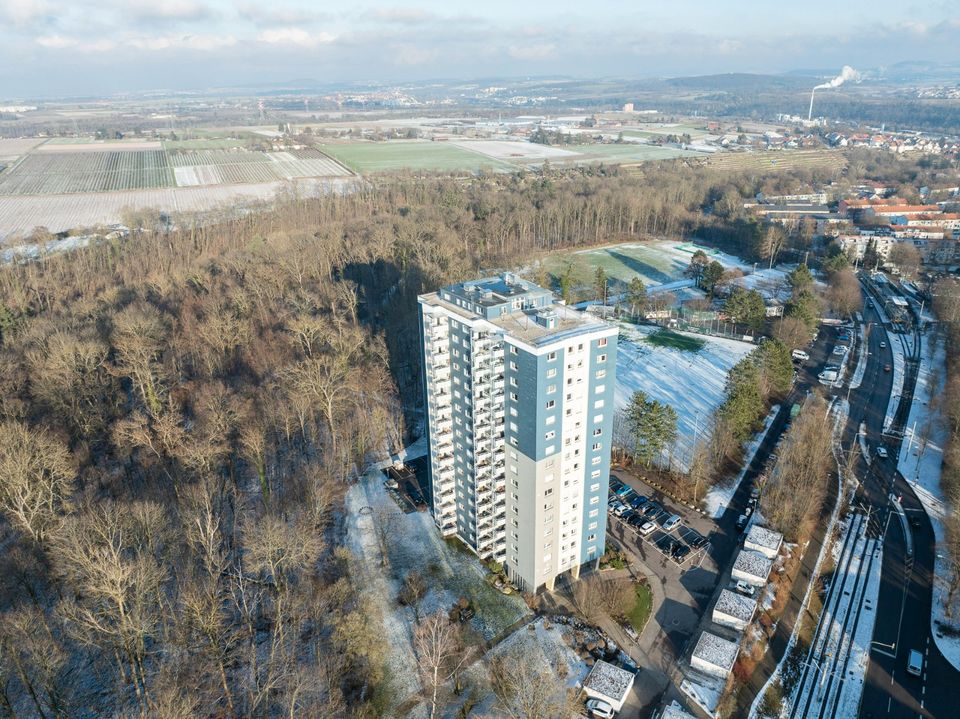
(600, 284)
(711, 276)
(637, 296)
(653, 426)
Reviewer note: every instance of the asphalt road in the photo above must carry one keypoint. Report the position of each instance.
(904, 604)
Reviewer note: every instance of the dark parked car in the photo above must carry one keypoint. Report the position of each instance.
(638, 501)
(636, 520)
(414, 494)
(616, 485)
(679, 551)
(666, 545)
(626, 516)
(652, 509)
(699, 541)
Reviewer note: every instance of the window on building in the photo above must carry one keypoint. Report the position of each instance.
(513, 412)
(601, 358)
(514, 442)
(513, 366)
(513, 426)
(547, 492)
(596, 460)
(513, 381)
(600, 389)
(593, 525)
(598, 404)
(551, 403)
(551, 419)
(597, 418)
(602, 342)
(594, 487)
(552, 372)
(594, 513)
(514, 397)
(513, 350)
(596, 446)
(601, 373)
(551, 449)
(513, 455)
(595, 474)
(598, 431)
(550, 435)
(552, 356)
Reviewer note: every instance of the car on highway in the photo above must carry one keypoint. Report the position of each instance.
(886, 368)
(747, 590)
(646, 528)
(915, 663)
(599, 709)
(883, 345)
(882, 452)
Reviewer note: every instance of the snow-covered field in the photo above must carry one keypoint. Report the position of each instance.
(771, 283)
(920, 462)
(692, 383)
(388, 544)
(719, 497)
(506, 149)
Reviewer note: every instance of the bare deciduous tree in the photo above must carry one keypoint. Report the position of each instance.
(441, 655)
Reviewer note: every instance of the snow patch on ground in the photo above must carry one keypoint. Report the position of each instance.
(693, 383)
(920, 463)
(857, 379)
(388, 544)
(899, 373)
(719, 497)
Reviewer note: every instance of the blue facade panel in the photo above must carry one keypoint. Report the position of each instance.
(599, 433)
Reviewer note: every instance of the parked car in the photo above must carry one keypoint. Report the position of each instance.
(414, 494)
(652, 509)
(840, 350)
(699, 541)
(638, 501)
(616, 485)
(636, 520)
(625, 517)
(679, 551)
(755, 493)
(742, 522)
(800, 355)
(619, 511)
(882, 451)
(747, 590)
(599, 708)
(646, 528)
(673, 521)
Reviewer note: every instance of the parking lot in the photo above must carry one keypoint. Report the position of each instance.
(657, 524)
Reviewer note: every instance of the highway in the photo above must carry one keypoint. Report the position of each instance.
(904, 602)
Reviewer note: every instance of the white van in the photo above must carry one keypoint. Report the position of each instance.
(915, 663)
(800, 355)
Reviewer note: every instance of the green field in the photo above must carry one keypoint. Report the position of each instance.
(684, 343)
(410, 155)
(640, 613)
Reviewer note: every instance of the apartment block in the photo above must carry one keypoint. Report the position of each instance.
(520, 399)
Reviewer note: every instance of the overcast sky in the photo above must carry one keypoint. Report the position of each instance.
(55, 47)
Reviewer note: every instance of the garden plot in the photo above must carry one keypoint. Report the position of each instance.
(514, 150)
(61, 172)
(388, 545)
(692, 382)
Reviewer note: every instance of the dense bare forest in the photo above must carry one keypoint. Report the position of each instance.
(181, 413)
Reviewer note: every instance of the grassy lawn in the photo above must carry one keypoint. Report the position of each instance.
(640, 613)
(410, 155)
(669, 338)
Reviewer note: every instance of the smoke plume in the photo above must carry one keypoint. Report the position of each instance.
(846, 74)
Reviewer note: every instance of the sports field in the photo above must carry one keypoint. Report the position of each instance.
(410, 155)
(655, 263)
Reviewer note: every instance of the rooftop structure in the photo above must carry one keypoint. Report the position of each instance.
(733, 610)
(675, 711)
(763, 540)
(608, 683)
(714, 655)
(752, 567)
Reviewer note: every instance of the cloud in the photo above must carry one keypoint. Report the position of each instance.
(188, 42)
(282, 16)
(405, 54)
(401, 15)
(56, 42)
(295, 36)
(170, 10)
(21, 13)
(540, 51)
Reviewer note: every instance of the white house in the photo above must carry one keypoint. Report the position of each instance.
(763, 540)
(714, 655)
(608, 683)
(733, 610)
(752, 567)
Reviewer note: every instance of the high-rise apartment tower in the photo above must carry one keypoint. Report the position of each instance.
(519, 395)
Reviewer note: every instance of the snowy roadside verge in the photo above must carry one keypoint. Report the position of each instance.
(841, 411)
(718, 498)
(899, 373)
(861, 369)
(920, 463)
